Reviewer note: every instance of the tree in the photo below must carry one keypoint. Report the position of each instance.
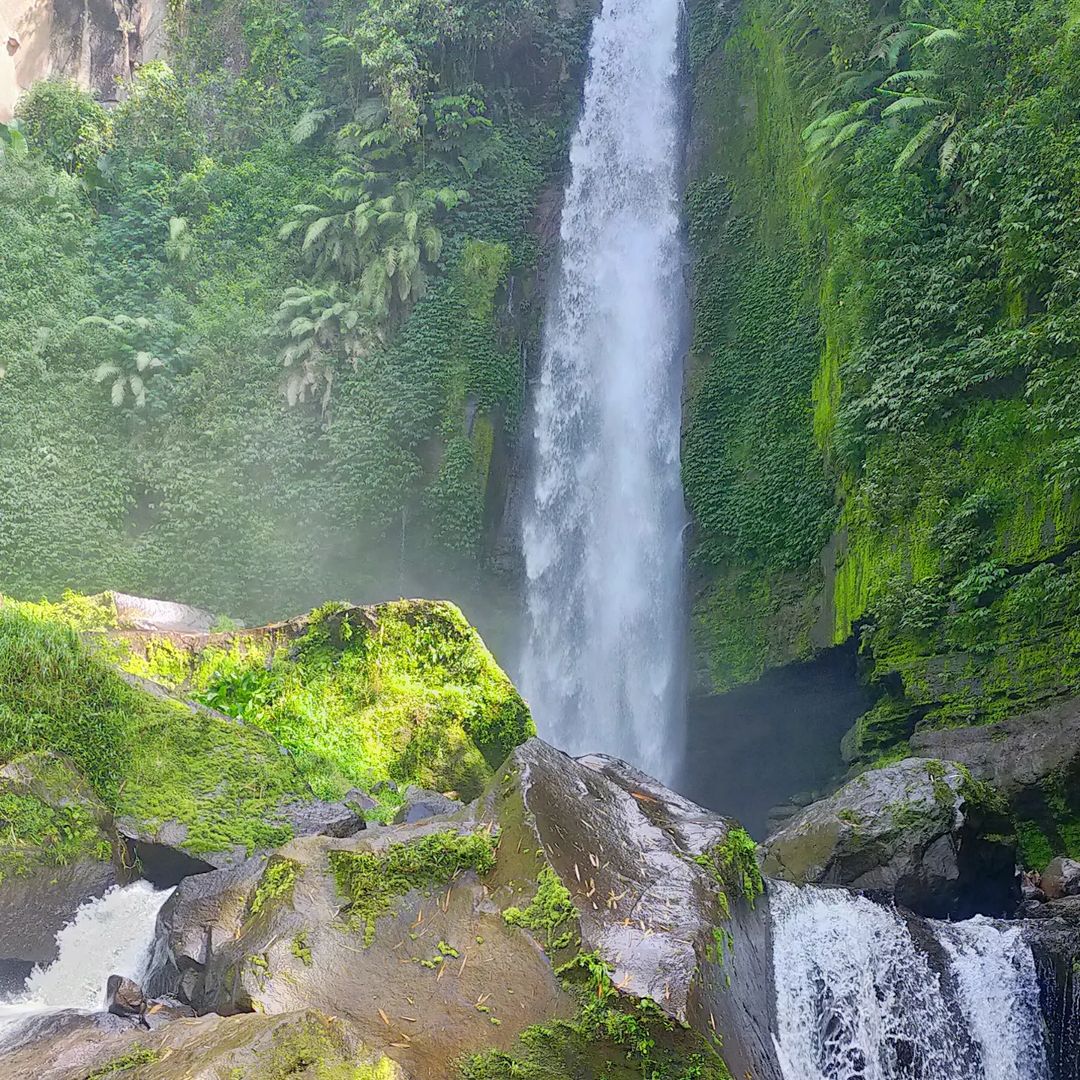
(133, 364)
(896, 94)
(317, 328)
(384, 241)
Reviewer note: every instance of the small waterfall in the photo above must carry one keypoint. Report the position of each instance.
(110, 936)
(603, 528)
(860, 995)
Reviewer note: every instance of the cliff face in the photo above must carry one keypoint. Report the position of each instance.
(881, 427)
(94, 42)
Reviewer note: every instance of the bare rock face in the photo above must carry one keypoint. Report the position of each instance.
(1061, 878)
(920, 832)
(429, 957)
(97, 43)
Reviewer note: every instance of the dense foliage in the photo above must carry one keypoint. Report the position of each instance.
(256, 338)
(908, 382)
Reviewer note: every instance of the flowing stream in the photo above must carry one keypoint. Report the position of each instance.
(603, 528)
(109, 936)
(862, 994)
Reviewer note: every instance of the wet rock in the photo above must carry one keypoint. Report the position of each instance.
(1061, 878)
(1055, 946)
(38, 895)
(72, 1046)
(1015, 754)
(647, 879)
(198, 919)
(421, 805)
(13, 976)
(123, 997)
(920, 832)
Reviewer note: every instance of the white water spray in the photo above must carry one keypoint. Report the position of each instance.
(858, 999)
(603, 530)
(112, 935)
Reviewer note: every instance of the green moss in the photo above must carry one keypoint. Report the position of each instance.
(1034, 846)
(548, 911)
(150, 759)
(316, 1048)
(406, 691)
(301, 949)
(369, 881)
(612, 1036)
(276, 884)
(733, 864)
(35, 834)
(136, 1056)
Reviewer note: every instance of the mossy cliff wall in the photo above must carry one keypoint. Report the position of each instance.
(881, 431)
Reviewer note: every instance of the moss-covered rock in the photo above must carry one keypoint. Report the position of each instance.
(58, 848)
(633, 932)
(921, 832)
(404, 691)
(215, 746)
(305, 1045)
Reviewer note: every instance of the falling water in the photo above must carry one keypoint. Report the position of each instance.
(109, 936)
(858, 998)
(602, 532)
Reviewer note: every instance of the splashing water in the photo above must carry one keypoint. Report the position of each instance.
(112, 935)
(859, 999)
(603, 529)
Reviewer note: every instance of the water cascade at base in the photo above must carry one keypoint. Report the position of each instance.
(862, 994)
(109, 936)
(603, 528)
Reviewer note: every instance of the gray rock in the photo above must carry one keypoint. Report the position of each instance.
(1061, 878)
(1015, 754)
(919, 832)
(624, 847)
(124, 997)
(421, 805)
(73, 1046)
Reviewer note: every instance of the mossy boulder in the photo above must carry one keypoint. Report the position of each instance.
(922, 832)
(207, 748)
(566, 884)
(295, 1046)
(1033, 759)
(405, 691)
(58, 848)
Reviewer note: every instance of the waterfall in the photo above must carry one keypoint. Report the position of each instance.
(112, 935)
(860, 995)
(603, 528)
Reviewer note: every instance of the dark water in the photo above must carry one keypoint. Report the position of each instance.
(758, 746)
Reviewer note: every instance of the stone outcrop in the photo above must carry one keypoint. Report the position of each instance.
(920, 832)
(446, 964)
(95, 42)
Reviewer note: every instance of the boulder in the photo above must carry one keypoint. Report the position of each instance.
(441, 937)
(73, 1046)
(922, 833)
(420, 805)
(65, 852)
(124, 997)
(1060, 878)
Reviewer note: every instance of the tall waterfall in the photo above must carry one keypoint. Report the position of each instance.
(602, 531)
(860, 998)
